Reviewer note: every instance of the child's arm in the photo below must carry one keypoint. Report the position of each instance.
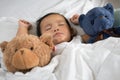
(23, 28)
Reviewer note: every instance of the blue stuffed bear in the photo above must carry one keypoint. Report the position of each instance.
(99, 22)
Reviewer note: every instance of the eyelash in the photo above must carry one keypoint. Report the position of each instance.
(48, 28)
(61, 24)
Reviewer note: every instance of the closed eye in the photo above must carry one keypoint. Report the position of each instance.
(61, 24)
(48, 27)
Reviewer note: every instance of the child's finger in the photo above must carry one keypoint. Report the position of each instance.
(72, 19)
(24, 21)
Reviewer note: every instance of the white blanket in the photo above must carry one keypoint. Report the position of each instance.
(99, 61)
(77, 61)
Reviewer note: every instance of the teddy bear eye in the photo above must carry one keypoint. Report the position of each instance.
(3, 50)
(106, 17)
(31, 48)
(92, 22)
(46, 43)
(16, 50)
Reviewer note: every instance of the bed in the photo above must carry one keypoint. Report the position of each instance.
(63, 66)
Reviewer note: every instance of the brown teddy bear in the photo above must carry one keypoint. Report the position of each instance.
(24, 52)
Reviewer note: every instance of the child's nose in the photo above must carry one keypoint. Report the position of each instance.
(55, 30)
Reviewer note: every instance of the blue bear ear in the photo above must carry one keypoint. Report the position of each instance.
(81, 18)
(109, 7)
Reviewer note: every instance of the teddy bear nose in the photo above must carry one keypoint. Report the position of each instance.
(22, 51)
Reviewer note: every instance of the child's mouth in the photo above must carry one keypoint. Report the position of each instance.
(57, 34)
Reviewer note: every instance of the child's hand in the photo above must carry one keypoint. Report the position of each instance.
(74, 19)
(25, 24)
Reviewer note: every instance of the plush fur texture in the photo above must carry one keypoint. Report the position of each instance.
(24, 52)
(98, 24)
(97, 20)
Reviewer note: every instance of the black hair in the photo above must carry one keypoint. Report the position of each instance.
(38, 22)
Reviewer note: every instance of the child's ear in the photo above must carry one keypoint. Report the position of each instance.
(3, 45)
(81, 18)
(109, 7)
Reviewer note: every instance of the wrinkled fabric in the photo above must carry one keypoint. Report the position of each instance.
(77, 61)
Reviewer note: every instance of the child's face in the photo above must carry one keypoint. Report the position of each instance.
(56, 26)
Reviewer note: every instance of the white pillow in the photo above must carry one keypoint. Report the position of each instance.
(9, 27)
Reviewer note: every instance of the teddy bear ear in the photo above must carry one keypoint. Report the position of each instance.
(47, 39)
(81, 18)
(3, 45)
(109, 7)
